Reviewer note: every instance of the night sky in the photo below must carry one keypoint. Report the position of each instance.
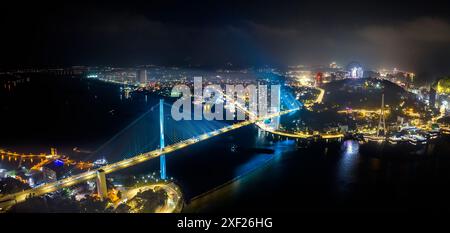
(405, 34)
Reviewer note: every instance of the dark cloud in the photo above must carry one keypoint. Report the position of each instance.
(409, 35)
(415, 44)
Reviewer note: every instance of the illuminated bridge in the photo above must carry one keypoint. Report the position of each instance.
(11, 199)
(14, 155)
(43, 159)
(136, 144)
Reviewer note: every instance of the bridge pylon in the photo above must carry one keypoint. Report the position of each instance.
(382, 120)
(162, 158)
(102, 189)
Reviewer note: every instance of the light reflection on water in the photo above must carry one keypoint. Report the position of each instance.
(348, 161)
(261, 159)
(252, 164)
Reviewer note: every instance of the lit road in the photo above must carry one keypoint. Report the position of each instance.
(266, 128)
(172, 204)
(297, 135)
(5, 153)
(11, 199)
(320, 96)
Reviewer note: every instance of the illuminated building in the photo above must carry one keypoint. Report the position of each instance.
(142, 76)
(356, 72)
(275, 106)
(333, 65)
(100, 162)
(3, 173)
(319, 79)
(443, 86)
(49, 175)
(41, 176)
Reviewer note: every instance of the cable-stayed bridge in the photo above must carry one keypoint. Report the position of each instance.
(175, 143)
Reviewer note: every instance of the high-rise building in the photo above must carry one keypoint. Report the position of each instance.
(142, 76)
(356, 72)
(319, 79)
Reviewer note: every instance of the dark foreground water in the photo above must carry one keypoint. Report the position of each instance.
(232, 172)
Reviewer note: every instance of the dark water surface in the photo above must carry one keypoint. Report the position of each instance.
(64, 113)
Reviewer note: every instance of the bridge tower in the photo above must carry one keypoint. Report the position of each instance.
(382, 120)
(162, 158)
(101, 184)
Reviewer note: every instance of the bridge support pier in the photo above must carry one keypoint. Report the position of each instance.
(101, 184)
